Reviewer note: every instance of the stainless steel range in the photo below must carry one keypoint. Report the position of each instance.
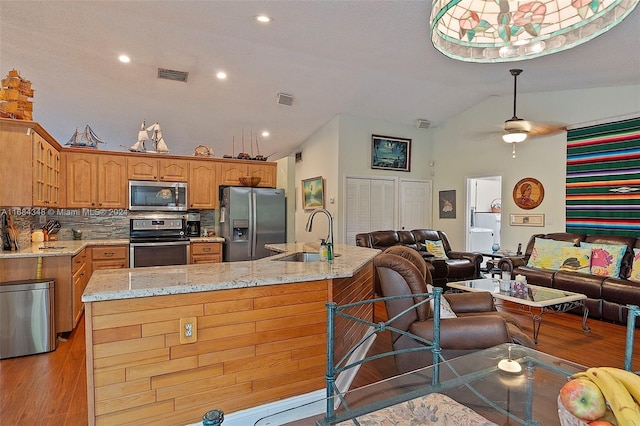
(158, 241)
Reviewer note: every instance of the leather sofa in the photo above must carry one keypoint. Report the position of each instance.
(606, 297)
(458, 267)
(478, 324)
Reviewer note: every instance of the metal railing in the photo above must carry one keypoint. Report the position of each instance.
(335, 368)
(634, 312)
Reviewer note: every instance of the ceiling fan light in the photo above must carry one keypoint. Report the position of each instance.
(514, 137)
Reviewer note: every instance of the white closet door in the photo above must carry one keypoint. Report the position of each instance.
(415, 204)
(370, 206)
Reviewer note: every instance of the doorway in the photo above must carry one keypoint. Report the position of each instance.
(484, 213)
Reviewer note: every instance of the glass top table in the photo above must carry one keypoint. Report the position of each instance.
(536, 300)
(528, 397)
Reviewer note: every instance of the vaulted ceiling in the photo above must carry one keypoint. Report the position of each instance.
(364, 58)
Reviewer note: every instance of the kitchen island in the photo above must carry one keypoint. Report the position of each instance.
(167, 344)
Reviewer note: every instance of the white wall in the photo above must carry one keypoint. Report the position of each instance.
(465, 147)
(319, 158)
(343, 148)
(285, 179)
(355, 153)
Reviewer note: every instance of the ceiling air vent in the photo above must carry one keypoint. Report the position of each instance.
(172, 75)
(284, 99)
(422, 124)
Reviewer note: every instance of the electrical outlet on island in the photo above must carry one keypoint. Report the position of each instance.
(188, 330)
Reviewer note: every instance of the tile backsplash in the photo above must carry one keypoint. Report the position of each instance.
(98, 226)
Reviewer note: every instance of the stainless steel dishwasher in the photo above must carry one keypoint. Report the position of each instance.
(27, 320)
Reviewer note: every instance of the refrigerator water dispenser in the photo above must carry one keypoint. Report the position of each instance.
(240, 230)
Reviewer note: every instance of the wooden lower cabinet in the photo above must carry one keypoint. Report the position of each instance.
(206, 253)
(109, 257)
(71, 275)
(80, 278)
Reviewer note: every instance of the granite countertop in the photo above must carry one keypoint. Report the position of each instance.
(73, 247)
(115, 284)
(59, 248)
(206, 239)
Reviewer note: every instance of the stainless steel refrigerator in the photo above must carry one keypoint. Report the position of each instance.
(249, 219)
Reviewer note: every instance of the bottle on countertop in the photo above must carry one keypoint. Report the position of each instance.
(324, 251)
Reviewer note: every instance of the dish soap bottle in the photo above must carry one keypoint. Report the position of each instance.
(324, 251)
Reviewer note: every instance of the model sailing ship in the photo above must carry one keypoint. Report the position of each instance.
(15, 92)
(88, 138)
(159, 145)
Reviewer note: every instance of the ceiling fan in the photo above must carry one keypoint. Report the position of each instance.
(517, 130)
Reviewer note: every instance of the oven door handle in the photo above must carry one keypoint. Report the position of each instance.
(167, 243)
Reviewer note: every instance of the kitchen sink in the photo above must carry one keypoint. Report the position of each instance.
(302, 256)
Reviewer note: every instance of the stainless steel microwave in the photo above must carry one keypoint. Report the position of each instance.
(157, 196)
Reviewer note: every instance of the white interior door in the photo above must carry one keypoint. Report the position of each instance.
(415, 204)
(370, 205)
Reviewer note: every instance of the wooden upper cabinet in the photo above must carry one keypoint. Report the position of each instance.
(203, 186)
(96, 180)
(81, 180)
(30, 165)
(230, 173)
(141, 168)
(172, 170)
(47, 165)
(266, 173)
(157, 169)
(112, 182)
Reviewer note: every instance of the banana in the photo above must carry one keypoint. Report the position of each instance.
(619, 399)
(630, 380)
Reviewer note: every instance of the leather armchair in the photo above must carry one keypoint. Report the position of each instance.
(478, 325)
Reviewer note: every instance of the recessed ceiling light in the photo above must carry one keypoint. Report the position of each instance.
(263, 18)
(124, 59)
(265, 133)
(221, 75)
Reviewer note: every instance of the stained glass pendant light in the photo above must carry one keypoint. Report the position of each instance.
(511, 30)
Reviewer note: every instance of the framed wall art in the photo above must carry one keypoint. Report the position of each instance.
(447, 204)
(313, 193)
(389, 153)
(528, 193)
(526, 219)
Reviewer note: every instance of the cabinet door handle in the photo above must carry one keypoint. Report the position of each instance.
(109, 254)
(206, 249)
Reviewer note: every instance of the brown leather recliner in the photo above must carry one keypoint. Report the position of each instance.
(478, 326)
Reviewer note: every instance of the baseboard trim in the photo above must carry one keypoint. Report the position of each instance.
(301, 406)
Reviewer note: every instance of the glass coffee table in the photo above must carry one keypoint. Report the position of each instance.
(475, 381)
(536, 300)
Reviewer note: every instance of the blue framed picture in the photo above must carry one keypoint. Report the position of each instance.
(390, 153)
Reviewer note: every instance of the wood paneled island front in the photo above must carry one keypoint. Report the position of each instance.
(259, 334)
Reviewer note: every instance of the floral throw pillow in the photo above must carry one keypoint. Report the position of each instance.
(606, 258)
(436, 248)
(547, 253)
(576, 259)
(445, 307)
(635, 267)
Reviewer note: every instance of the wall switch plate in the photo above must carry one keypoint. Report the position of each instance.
(188, 330)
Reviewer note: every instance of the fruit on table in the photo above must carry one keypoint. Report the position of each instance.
(600, 423)
(620, 388)
(583, 399)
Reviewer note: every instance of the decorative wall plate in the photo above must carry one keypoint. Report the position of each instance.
(528, 193)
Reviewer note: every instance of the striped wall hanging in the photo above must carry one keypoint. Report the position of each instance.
(603, 179)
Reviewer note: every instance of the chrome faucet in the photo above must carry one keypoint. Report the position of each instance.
(330, 236)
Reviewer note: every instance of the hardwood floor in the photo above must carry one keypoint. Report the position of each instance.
(46, 389)
(50, 389)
